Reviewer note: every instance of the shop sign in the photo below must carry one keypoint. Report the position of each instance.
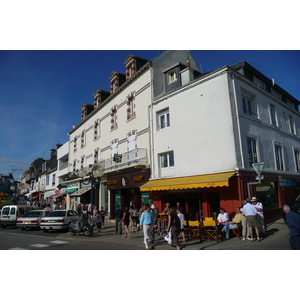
(145, 197)
(112, 182)
(287, 182)
(138, 178)
(117, 200)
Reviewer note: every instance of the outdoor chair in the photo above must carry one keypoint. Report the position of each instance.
(194, 230)
(237, 231)
(211, 231)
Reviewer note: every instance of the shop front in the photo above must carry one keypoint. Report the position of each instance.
(124, 189)
(200, 196)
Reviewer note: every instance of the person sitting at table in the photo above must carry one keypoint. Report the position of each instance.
(166, 209)
(223, 218)
(234, 223)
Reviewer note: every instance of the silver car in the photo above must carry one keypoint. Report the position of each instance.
(32, 219)
(59, 219)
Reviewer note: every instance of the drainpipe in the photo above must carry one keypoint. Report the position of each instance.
(238, 120)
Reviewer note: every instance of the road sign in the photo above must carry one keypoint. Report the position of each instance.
(258, 167)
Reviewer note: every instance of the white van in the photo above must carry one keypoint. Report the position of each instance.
(10, 214)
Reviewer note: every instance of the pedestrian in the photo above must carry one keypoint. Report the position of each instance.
(250, 212)
(146, 224)
(174, 226)
(118, 218)
(79, 209)
(178, 205)
(102, 212)
(245, 231)
(182, 219)
(292, 220)
(97, 220)
(126, 220)
(260, 214)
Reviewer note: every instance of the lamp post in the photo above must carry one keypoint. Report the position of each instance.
(91, 175)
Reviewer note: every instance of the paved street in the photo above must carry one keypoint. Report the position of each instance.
(277, 238)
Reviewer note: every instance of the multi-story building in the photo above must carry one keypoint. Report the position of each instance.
(113, 136)
(208, 129)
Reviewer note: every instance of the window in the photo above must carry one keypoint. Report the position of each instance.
(276, 94)
(172, 75)
(53, 179)
(47, 180)
(163, 119)
(297, 160)
(96, 155)
(252, 151)
(259, 83)
(248, 106)
(130, 106)
(113, 118)
(272, 115)
(291, 124)
(82, 139)
(167, 160)
(278, 157)
(75, 144)
(97, 129)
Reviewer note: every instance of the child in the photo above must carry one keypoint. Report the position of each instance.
(97, 220)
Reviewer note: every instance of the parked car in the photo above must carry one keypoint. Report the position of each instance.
(32, 219)
(10, 214)
(59, 219)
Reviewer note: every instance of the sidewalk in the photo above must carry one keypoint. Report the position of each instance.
(275, 231)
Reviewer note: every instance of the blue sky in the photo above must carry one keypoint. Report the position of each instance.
(41, 92)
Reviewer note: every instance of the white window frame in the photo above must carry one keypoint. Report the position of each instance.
(296, 153)
(291, 124)
(167, 160)
(273, 115)
(166, 115)
(275, 94)
(259, 83)
(279, 159)
(254, 154)
(248, 106)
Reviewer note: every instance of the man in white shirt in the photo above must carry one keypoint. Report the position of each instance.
(260, 214)
(250, 212)
(223, 218)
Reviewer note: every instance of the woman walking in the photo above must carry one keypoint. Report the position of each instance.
(126, 221)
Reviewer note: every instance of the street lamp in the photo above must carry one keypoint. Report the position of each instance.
(91, 175)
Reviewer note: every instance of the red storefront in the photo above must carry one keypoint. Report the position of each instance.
(124, 189)
(202, 196)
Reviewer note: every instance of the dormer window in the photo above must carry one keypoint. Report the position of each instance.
(172, 75)
(116, 80)
(130, 69)
(259, 83)
(97, 100)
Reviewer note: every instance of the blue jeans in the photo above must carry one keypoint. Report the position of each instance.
(227, 227)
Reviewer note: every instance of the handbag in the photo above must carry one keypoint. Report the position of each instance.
(168, 238)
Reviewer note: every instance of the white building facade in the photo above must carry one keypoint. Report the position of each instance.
(208, 131)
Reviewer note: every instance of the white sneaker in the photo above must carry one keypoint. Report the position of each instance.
(244, 239)
(250, 239)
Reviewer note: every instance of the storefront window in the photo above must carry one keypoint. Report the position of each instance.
(265, 193)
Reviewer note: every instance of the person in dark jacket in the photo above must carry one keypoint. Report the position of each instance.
(292, 220)
(118, 218)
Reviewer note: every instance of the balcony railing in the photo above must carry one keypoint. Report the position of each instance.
(63, 165)
(130, 158)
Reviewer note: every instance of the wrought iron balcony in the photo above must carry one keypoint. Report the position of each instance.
(133, 158)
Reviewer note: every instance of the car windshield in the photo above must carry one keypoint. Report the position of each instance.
(33, 214)
(58, 213)
(5, 211)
